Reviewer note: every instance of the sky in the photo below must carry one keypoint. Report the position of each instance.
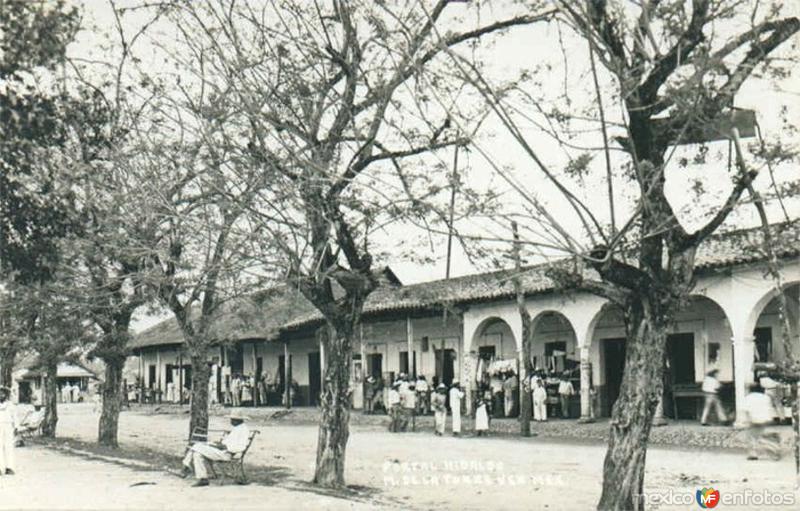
(538, 48)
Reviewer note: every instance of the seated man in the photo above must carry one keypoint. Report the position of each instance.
(234, 442)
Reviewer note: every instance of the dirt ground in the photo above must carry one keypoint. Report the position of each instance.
(405, 470)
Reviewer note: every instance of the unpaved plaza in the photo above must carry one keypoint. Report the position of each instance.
(410, 470)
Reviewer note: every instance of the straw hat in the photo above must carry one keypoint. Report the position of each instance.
(239, 416)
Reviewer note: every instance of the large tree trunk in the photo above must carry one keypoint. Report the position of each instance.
(199, 407)
(632, 415)
(334, 426)
(112, 403)
(50, 400)
(7, 359)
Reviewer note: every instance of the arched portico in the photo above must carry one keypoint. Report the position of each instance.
(493, 342)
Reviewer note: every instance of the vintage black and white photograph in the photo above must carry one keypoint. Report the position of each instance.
(399, 254)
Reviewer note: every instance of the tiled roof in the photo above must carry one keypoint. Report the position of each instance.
(283, 308)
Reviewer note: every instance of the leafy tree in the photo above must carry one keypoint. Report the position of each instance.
(35, 36)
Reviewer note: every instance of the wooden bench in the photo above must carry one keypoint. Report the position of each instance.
(232, 468)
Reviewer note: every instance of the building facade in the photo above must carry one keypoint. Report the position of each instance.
(468, 329)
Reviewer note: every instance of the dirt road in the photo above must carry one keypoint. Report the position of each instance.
(420, 471)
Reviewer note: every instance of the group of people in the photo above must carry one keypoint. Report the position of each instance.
(70, 393)
(761, 407)
(248, 390)
(500, 394)
(407, 399)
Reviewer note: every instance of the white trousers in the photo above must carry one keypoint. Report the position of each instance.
(457, 418)
(198, 454)
(540, 410)
(7, 456)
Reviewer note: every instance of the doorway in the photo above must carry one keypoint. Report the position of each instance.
(375, 365)
(445, 366)
(679, 372)
(614, 357)
(314, 378)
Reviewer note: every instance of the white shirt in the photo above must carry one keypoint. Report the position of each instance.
(455, 395)
(767, 383)
(236, 440)
(710, 385)
(565, 388)
(394, 397)
(759, 408)
(422, 386)
(8, 414)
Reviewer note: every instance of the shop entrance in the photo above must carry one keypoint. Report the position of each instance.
(314, 378)
(375, 365)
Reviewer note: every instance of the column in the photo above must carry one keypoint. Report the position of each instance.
(287, 375)
(587, 414)
(743, 351)
(410, 341)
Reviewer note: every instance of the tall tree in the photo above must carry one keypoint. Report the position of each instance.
(674, 69)
(35, 36)
(336, 104)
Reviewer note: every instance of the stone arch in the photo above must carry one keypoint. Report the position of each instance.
(766, 306)
(551, 331)
(496, 332)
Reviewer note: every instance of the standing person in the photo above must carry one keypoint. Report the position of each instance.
(758, 414)
(247, 391)
(236, 389)
(369, 392)
(8, 427)
(393, 407)
(409, 402)
(456, 395)
(710, 389)
(439, 403)
(423, 396)
(539, 401)
(496, 384)
(481, 417)
(565, 392)
(509, 389)
(774, 390)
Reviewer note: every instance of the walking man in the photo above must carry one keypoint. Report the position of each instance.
(711, 393)
(758, 414)
(8, 426)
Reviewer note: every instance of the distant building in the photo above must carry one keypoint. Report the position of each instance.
(464, 327)
(29, 379)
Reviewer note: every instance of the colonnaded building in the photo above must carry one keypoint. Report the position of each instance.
(463, 328)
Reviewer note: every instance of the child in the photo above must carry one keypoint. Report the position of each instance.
(481, 418)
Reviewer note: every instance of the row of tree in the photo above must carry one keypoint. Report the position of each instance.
(221, 147)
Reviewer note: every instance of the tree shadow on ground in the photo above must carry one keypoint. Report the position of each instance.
(142, 459)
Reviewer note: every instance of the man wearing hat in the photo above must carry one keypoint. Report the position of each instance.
(8, 426)
(234, 442)
(393, 407)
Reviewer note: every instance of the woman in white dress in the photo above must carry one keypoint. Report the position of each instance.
(481, 418)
